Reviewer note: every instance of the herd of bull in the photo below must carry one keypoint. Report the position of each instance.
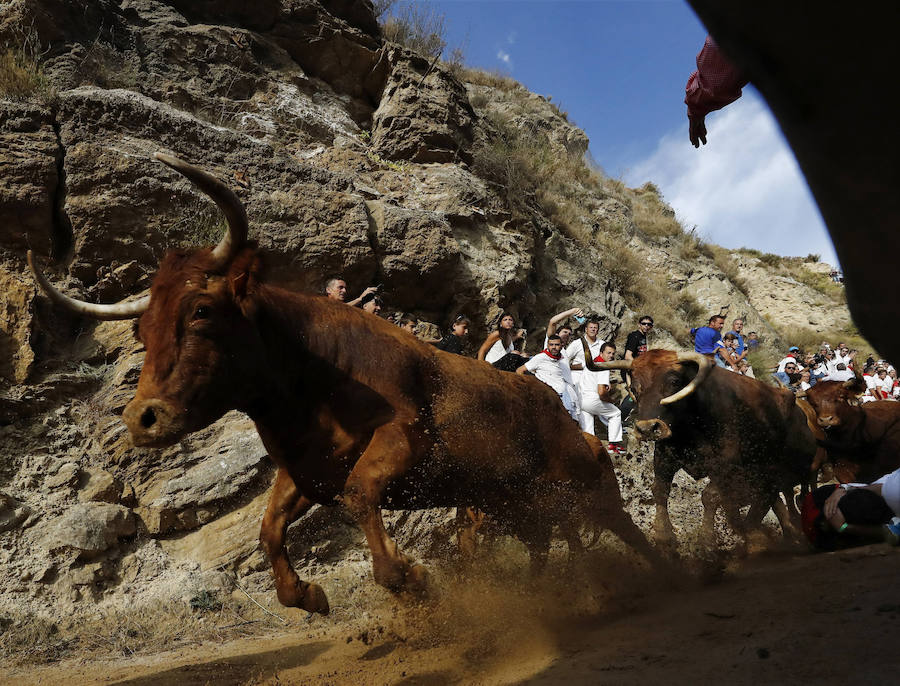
(376, 419)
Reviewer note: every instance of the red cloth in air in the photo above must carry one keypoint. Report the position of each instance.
(716, 83)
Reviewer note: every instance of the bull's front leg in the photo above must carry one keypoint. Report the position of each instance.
(286, 505)
(664, 469)
(387, 457)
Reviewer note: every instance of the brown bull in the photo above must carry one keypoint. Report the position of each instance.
(862, 440)
(749, 438)
(351, 408)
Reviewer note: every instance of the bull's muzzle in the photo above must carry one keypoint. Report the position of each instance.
(828, 422)
(152, 422)
(652, 429)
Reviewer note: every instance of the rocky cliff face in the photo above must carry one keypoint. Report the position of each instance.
(352, 156)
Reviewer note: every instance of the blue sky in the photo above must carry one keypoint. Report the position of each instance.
(618, 67)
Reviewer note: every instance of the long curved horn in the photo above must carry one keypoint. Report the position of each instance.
(704, 366)
(223, 196)
(121, 310)
(590, 365)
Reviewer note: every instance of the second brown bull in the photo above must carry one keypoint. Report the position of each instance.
(750, 439)
(862, 440)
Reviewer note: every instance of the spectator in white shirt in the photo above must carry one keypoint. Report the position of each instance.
(553, 326)
(549, 368)
(574, 350)
(595, 401)
(805, 385)
(871, 385)
(842, 354)
(884, 384)
(841, 373)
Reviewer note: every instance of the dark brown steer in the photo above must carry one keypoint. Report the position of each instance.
(862, 440)
(749, 438)
(351, 408)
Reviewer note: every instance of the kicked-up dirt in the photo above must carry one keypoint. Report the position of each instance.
(779, 618)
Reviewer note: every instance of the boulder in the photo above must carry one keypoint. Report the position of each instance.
(98, 485)
(424, 114)
(229, 462)
(88, 528)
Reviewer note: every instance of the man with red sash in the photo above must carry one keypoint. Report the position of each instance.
(549, 367)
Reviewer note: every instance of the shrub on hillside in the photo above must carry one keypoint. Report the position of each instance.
(22, 77)
(419, 27)
(652, 215)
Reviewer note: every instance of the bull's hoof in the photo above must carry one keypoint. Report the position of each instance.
(664, 540)
(417, 579)
(756, 542)
(315, 600)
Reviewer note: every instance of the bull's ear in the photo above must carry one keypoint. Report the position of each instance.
(243, 274)
(854, 386)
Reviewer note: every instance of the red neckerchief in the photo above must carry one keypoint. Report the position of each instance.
(549, 354)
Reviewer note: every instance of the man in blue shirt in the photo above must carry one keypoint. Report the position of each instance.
(708, 339)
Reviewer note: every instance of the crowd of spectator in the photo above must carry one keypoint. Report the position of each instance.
(589, 396)
(800, 370)
(586, 395)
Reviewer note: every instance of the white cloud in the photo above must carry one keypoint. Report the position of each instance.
(504, 57)
(742, 189)
(511, 38)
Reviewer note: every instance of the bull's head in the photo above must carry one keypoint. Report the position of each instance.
(194, 326)
(833, 401)
(659, 378)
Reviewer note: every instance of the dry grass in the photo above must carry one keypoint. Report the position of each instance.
(419, 27)
(652, 215)
(22, 77)
(795, 267)
(819, 282)
(106, 66)
(492, 78)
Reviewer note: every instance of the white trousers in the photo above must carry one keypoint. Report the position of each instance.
(608, 413)
(569, 402)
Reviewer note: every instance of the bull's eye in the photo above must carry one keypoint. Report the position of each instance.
(202, 312)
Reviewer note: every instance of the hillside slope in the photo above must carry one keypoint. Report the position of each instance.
(459, 191)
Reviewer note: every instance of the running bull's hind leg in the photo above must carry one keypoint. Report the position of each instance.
(604, 502)
(286, 505)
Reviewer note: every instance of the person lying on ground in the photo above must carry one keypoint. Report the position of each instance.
(838, 516)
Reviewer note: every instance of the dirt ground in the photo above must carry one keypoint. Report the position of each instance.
(783, 618)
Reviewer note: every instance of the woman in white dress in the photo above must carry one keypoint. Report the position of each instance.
(498, 349)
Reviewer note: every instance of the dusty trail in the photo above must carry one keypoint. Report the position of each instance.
(828, 619)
